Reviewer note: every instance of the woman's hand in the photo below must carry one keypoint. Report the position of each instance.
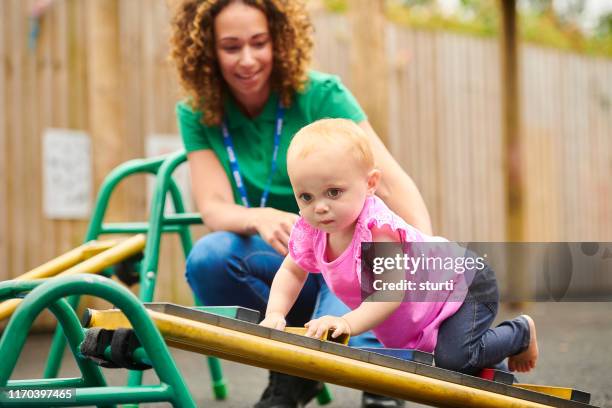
(274, 321)
(274, 226)
(317, 327)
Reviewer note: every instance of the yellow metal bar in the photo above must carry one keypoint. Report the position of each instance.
(119, 252)
(278, 356)
(560, 392)
(342, 339)
(92, 257)
(67, 260)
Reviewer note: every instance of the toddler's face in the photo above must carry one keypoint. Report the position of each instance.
(330, 188)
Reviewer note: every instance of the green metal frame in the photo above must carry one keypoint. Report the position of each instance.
(162, 167)
(158, 224)
(91, 388)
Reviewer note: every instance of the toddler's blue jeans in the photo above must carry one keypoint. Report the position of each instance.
(466, 341)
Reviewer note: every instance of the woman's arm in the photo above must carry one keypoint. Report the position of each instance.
(214, 198)
(396, 188)
(213, 194)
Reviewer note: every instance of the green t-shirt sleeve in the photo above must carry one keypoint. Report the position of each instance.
(193, 132)
(331, 99)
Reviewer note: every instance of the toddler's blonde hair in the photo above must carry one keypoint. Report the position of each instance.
(324, 134)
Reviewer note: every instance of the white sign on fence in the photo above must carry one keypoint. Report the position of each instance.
(67, 175)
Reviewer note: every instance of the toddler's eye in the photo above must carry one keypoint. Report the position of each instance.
(305, 197)
(334, 193)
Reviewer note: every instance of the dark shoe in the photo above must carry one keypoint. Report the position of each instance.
(287, 391)
(369, 400)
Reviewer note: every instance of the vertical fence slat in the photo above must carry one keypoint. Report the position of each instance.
(427, 161)
(4, 80)
(74, 86)
(32, 143)
(60, 96)
(16, 160)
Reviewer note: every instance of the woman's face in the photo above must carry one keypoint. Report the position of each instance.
(244, 50)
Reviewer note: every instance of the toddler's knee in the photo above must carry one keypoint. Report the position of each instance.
(449, 362)
(461, 360)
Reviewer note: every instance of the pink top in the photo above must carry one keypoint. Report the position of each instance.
(414, 325)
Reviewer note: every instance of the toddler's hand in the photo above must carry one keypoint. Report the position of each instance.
(274, 321)
(317, 327)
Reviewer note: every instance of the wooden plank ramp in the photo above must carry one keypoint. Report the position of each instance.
(259, 346)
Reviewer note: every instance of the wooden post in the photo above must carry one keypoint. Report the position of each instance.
(5, 272)
(105, 118)
(515, 185)
(368, 65)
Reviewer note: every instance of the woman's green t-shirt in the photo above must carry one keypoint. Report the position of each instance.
(323, 97)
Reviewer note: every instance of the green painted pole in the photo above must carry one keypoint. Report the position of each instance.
(94, 229)
(149, 336)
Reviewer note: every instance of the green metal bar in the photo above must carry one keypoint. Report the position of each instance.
(95, 228)
(46, 383)
(122, 171)
(70, 326)
(216, 374)
(110, 182)
(16, 288)
(325, 396)
(117, 395)
(183, 219)
(214, 364)
(149, 336)
(58, 346)
(156, 217)
(139, 355)
(149, 264)
(151, 259)
(135, 228)
(158, 224)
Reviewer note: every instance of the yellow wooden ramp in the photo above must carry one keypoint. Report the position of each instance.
(251, 344)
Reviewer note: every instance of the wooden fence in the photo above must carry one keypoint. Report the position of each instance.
(444, 123)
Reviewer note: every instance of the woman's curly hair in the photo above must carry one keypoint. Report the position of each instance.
(192, 48)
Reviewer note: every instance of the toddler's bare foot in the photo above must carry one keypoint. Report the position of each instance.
(526, 360)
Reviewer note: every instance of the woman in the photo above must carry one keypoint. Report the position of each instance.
(244, 66)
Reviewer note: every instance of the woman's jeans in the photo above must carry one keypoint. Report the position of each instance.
(228, 269)
(466, 343)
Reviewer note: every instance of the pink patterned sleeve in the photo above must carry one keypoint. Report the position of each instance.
(382, 219)
(301, 246)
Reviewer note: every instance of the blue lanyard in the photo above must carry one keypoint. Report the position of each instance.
(233, 161)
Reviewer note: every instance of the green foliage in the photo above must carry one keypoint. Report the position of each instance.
(336, 6)
(540, 6)
(542, 30)
(604, 28)
(425, 19)
(539, 22)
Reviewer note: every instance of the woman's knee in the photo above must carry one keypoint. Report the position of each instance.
(209, 256)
